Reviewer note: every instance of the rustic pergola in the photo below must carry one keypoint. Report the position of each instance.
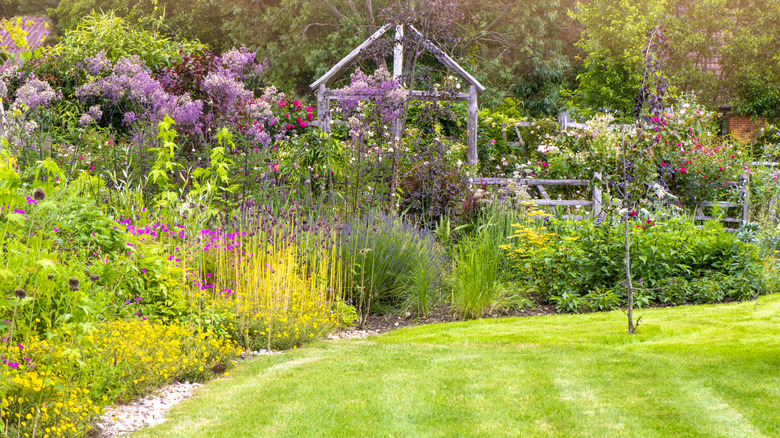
(325, 94)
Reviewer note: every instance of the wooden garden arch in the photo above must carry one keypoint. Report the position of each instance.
(325, 94)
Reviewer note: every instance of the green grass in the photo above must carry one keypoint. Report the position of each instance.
(690, 371)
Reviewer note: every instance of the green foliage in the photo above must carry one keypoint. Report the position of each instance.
(213, 183)
(119, 38)
(576, 264)
(615, 34)
(431, 189)
(479, 280)
(164, 166)
(189, 19)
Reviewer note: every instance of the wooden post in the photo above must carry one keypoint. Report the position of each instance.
(323, 108)
(471, 127)
(522, 143)
(596, 196)
(743, 179)
(2, 118)
(398, 71)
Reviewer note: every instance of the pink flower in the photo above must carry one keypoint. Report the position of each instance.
(720, 168)
(310, 116)
(687, 161)
(303, 124)
(682, 170)
(282, 104)
(492, 140)
(296, 104)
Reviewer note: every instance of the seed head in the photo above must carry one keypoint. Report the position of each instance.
(94, 277)
(39, 195)
(50, 277)
(73, 283)
(20, 293)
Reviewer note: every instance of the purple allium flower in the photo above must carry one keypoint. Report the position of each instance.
(128, 118)
(96, 112)
(36, 93)
(98, 64)
(86, 120)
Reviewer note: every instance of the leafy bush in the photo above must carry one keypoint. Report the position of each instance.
(571, 261)
(118, 38)
(431, 189)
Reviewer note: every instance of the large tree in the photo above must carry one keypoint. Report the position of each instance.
(723, 51)
(517, 49)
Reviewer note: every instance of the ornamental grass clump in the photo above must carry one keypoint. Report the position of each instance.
(390, 265)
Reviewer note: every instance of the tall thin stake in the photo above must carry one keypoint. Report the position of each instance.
(631, 327)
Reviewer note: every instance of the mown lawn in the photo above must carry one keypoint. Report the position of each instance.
(690, 371)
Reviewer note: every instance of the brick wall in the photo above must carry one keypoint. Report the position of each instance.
(743, 127)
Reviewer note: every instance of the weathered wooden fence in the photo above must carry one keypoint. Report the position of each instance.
(595, 203)
(744, 205)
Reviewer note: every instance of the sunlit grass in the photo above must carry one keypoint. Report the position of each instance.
(690, 371)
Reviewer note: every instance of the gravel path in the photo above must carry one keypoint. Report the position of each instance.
(148, 411)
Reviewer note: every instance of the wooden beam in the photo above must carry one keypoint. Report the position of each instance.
(543, 192)
(743, 179)
(562, 202)
(448, 62)
(596, 196)
(413, 95)
(711, 218)
(323, 108)
(398, 71)
(339, 69)
(531, 182)
(472, 112)
(719, 204)
(398, 53)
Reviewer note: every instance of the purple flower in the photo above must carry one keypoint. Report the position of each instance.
(98, 64)
(86, 120)
(129, 118)
(35, 93)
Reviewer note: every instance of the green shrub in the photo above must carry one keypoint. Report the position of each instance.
(431, 189)
(119, 38)
(571, 261)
